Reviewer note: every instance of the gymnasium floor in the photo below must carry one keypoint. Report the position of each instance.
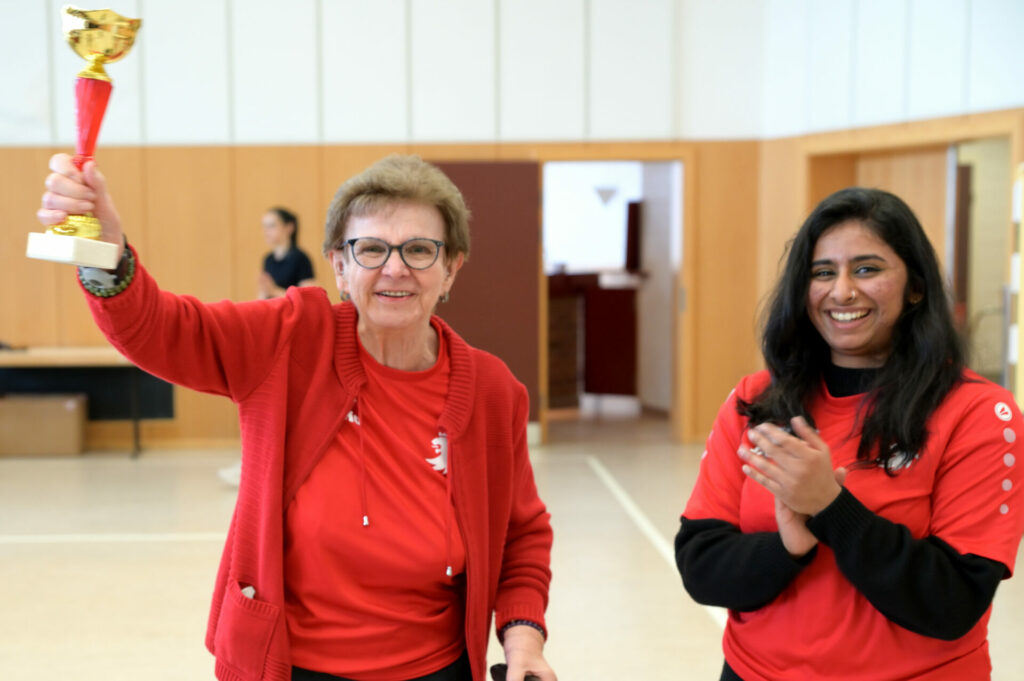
(107, 563)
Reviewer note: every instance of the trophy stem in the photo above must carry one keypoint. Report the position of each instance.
(91, 97)
(95, 70)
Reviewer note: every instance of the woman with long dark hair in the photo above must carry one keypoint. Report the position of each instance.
(859, 500)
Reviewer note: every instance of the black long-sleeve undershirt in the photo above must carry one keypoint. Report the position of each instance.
(723, 566)
(923, 585)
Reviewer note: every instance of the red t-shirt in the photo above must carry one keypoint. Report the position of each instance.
(966, 487)
(374, 602)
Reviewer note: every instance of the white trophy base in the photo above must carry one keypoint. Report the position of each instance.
(72, 250)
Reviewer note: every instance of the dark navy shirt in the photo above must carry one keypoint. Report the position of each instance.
(294, 267)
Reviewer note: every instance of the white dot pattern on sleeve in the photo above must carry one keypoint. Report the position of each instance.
(1009, 460)
(1004, 509)
(1009, 435)
(1007, 485)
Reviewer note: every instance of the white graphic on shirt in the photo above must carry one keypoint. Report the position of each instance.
(352, 418)
(902, 460)
(1003, 411)
(440, 445)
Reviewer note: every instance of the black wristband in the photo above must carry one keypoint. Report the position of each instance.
(107, 283)
(516, 623)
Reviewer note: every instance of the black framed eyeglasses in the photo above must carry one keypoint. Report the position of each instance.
(371, 253)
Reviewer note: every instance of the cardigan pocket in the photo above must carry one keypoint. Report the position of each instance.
(243, 632)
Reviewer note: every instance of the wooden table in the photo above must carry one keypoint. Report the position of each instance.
(76, 357)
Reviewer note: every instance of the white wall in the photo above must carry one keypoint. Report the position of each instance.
(582, 231)
(660, 242)
(720, 52)
(352, 71)
(852, 63)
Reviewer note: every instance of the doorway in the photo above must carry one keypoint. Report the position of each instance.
(982, 275)
(612, 243)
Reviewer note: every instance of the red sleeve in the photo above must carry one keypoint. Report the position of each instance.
(224, 348)
(978, 500)
(716, 493)
(525, 571)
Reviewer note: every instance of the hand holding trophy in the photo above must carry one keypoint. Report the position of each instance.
(100, 37)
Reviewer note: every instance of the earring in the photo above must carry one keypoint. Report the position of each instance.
(345, 297)
(444, 297)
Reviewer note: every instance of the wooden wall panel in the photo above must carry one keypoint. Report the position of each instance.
(725, 331)
(263, 177)
(917, 176)
(29, 314)
(188, 236)
(189, 220)
(778, 211)
(914, 134)
(455, 152)
(825, 175)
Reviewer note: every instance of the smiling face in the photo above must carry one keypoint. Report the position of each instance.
(394, 297)
(856, 294)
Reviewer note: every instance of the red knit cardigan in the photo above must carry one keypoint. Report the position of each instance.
(292, 366)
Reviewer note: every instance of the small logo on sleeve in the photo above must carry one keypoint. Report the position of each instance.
(1003, 411)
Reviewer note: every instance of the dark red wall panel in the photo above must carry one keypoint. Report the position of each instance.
(495, 300)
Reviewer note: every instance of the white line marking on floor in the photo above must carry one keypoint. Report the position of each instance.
(646, 527)
(113, 538)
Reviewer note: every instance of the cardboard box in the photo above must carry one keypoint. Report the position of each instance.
(42, 425)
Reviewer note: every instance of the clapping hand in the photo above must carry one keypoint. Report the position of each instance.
(797, 469)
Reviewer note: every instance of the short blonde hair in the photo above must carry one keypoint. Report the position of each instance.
(394, 180)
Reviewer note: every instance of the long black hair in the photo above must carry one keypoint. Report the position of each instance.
(288, 218)
(926, 359)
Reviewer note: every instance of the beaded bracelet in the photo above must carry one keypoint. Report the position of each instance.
(107, 283)
(515, 623)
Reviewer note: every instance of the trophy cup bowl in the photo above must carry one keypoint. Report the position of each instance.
(99, 36)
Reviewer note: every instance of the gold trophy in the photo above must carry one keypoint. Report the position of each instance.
(100, 36)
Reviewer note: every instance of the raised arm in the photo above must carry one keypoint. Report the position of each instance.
(223, 348)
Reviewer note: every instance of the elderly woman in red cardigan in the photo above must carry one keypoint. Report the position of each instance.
(387, 507)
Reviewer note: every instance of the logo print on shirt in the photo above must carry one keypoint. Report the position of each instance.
(903, 461)
(352, 418)
(440, 445)
(1003, 412)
